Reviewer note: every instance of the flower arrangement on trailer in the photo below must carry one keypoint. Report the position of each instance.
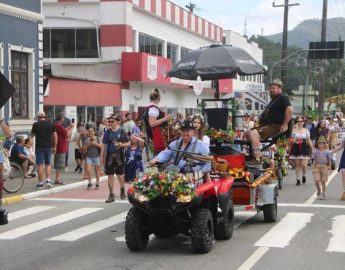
(282, 144)
(219, 136)
(153, 184)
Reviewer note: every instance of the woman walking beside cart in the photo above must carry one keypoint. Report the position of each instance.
(300, 150)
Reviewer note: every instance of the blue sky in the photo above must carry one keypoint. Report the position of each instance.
(260, 15)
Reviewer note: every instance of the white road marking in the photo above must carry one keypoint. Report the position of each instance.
(28, 211)
(281, 234)
(314, 196)
(254, 258)
(335, 206)
(337, 241)
(76, 200)
(37, 226)
(90, 229)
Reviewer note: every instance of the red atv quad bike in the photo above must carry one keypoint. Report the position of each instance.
(209, 214)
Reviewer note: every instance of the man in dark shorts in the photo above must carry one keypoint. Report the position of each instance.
(46, 140)
(274, 119)
(115, 141)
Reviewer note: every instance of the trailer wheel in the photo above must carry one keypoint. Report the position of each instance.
(224, 230)
(202, 230)
(136, 237)
(271, 211)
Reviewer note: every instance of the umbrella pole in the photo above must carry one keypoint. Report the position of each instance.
(216, 95)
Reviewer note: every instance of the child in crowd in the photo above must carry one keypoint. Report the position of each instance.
(134, 162)
(321, 165)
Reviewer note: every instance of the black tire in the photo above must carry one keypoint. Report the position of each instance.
(333, 165)
(136, 237)
(271, 211)
(202, 230)
(224, 230)
(15, 180)
(280, 178)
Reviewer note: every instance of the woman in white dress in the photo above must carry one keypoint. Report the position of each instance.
(199, 130)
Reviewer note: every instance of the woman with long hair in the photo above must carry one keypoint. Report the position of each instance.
(155, 118)
(300, 150)
(199, 130)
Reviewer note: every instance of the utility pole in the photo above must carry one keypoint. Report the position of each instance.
(322, 67)
(283, 70)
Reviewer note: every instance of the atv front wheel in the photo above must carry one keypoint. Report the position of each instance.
(202, 230)
(136, 237)
(224, 230)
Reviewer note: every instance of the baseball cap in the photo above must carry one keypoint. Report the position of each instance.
(41, 114)
(277, 81)
(187, 125)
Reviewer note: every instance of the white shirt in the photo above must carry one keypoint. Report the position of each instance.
(153, 111)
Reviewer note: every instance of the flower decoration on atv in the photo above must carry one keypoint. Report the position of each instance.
(152, 185)
(282, 144)
(220, 136)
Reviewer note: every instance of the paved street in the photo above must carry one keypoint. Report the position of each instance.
(75, 229)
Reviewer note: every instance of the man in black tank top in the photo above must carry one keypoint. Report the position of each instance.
(275, 119)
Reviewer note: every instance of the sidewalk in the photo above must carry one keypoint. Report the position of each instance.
(71, 179)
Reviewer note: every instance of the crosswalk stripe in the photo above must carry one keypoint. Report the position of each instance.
(33, 227)
(90, 229)
(337, 241)
(281, 234)
(28, 211)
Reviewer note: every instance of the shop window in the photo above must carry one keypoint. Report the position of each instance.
(70, 43)
(256, 106)
(248, 103)
(86, 43)
(63, 43)
(172, 52)
(19, 76)
(46, 43)
(150, 44)
(184, 51)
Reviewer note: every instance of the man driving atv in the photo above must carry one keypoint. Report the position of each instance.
(186, 143)
(275, 119)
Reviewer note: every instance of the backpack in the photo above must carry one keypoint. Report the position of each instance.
(145, 119)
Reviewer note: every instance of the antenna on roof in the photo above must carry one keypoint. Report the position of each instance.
(245, 27)
(191, 7)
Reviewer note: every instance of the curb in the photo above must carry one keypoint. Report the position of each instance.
(39, 193)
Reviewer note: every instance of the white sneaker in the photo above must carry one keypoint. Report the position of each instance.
(49, 184)
(66, 169)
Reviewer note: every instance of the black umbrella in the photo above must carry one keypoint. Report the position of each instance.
(6, 90)
(216, 62)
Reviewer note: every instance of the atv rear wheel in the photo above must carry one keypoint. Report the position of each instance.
(202, 230)
(271, 211)
(135, 234)
(224, 230)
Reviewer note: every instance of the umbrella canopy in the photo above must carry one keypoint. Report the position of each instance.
(6, 90)
(216, 62)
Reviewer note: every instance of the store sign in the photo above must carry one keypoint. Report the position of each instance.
(255, 87)
(152, 67)
(71, 112)
(108, 111)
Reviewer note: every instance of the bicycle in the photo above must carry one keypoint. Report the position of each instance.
(14, 180)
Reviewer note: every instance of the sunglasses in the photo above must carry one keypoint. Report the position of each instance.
(111, 121)
(300, 121)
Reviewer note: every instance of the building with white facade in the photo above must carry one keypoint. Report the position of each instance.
(250, 88)
(104, 56)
